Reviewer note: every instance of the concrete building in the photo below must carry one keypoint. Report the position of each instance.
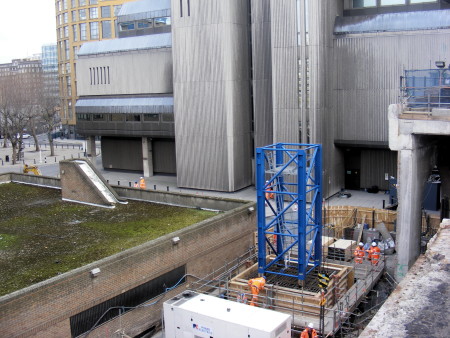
(290, 71)
(78, 21)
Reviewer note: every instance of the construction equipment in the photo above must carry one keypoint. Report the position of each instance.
(31, 169)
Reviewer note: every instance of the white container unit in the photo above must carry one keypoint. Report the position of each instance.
(194, 315)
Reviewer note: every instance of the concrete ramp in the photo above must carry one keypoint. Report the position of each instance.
(82, 183)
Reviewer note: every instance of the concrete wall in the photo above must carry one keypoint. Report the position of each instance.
(44, 309)
(212, 94)
(133, 72)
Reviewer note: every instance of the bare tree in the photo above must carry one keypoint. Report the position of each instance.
(49, 114)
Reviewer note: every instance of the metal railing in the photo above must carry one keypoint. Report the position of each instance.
(425, 89)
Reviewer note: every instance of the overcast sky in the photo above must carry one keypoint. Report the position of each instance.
(25, 25)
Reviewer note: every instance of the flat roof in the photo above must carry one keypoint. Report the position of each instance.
(154, 41)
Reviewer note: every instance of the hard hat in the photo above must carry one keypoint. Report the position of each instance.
(264, 277)
(374, 244)
(361, 244)
(310, 325)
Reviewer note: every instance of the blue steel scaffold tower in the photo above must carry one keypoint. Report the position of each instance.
(289, 201)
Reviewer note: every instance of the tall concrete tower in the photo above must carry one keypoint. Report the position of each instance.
(212, 100)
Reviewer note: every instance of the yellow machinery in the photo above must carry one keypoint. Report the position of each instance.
(31, 169)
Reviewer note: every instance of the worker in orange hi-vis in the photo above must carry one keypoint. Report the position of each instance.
(256, 285)
(269, 193)
(309, 332)
(374, 254)
(142, 183)
(359, 253)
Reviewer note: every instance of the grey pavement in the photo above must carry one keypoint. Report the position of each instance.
(68, 149)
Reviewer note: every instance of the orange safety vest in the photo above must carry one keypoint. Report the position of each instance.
(142, 183)
(374, 254)
(359, 254)
(305, 334)
(257, 284)
(269, 195)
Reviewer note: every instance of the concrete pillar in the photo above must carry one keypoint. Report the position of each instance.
(91, 150)
(414, 166)
(147, 156)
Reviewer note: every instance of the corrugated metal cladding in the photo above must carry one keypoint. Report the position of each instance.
(212, 94)
(122, 153)
(262, 73)
(375, 165)
(285, 71)
(393, 22)
(164, 158)
(153, 41)
(368, 69)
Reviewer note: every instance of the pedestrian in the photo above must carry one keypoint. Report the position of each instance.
(256, 285)
(309, 332)
(374, 254)
(359, 253)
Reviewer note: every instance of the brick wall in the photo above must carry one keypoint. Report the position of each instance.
(76, 186)
(44, 309)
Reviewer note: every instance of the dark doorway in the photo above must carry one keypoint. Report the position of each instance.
(352, 169)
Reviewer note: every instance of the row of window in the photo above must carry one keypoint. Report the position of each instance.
(126, 117)
(62, 5)
(147, 23)
(378, 3)
(105, 12)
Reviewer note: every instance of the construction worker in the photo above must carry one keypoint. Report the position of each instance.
(359, 253)
(269, 194)
(256, 285)
(142, 183)
(374, 254)
(136, 185)
(309, 332)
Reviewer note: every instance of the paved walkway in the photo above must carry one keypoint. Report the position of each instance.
(67, 149)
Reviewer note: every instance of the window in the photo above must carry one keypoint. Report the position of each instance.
(106, 11)
(83, 117)
(93, 13)
(392, 2)
(64, 4)
(93, 2)
(82, 14)
(94, 30)
(117, 117)
(133, 117)
(106, 29)
(59, 6)
(83, 33)
(167, 117)
(74, 16)
(117, 9)
(75, 32)
(60, 19)
(60, 31)
(75, 51)
(82, 2)
(74, 3)
(66, 31)
(126, 26)
(144, 24)
(66, 17)
(151, 117)
(98, 117)
(165, 21)
(364, 3)
(67, 49)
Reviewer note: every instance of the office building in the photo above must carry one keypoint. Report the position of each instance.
(78, 21)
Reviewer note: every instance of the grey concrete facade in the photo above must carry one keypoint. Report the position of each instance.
(212, 94)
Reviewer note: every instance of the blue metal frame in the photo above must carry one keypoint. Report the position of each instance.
(293, 173)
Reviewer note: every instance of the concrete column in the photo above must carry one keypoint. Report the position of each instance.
(147, 156)
(413, 170)
(91, 150)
